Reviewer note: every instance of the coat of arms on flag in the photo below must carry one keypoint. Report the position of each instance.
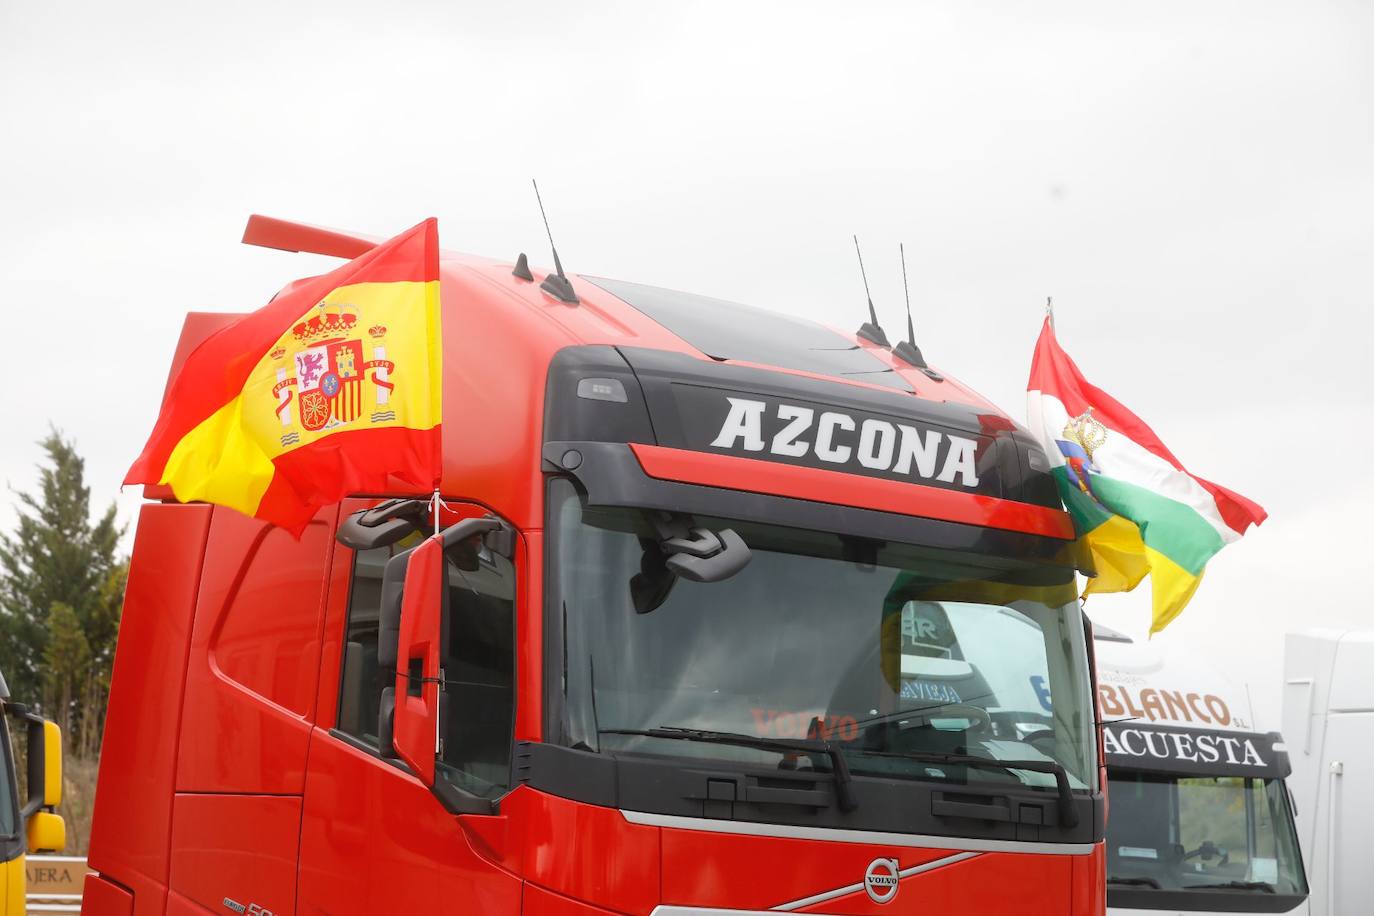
(332, 375)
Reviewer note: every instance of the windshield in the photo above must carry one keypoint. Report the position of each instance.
(1220, 833)
(885, 650)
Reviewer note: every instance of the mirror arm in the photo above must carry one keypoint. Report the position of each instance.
(501, 541)
(457, 801)
(468, 527)
(383, 524)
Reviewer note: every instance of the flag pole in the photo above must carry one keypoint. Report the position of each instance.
(1049, 309)
(436, 510)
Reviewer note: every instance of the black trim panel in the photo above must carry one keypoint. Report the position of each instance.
(610, 475)
(678, 401)
(675, 786)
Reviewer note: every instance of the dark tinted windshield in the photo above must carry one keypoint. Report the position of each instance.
(729, 330)
(1204, 834)
(883, 649)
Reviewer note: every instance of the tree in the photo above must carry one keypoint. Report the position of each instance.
(60, 579)
(67, 660)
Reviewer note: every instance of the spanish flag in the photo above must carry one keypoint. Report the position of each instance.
(323, 392)
(1136, 508)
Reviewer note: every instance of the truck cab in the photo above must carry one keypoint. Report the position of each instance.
(1202, 820)
(1328, 714)
(721, 611)
(27, 825)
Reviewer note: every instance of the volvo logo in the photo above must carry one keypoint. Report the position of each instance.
(880, 880)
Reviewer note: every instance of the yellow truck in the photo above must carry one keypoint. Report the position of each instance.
(30, 826)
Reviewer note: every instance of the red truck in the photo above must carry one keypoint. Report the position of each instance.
(727, 612)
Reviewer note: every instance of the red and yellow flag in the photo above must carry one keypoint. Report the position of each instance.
(323, 392)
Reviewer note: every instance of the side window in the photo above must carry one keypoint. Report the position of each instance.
(478, 663)
(479, 672)
(360, 691)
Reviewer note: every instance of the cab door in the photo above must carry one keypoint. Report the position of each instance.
(247, 715)
(374, 838)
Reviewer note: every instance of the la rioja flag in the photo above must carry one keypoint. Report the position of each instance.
(1134, 505)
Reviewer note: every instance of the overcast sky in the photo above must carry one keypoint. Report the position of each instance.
(1191, 181)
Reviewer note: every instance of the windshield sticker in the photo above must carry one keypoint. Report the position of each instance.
(930, 690)
(772, 723)
(1137, 852)
(1264, 869)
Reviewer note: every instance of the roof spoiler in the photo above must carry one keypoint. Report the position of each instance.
(284, 235)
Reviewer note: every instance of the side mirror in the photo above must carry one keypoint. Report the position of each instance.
(47, 832)
(45, 766)
(415, 726)
(410, 638)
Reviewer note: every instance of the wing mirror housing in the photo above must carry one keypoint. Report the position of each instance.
(46, 831)
(45, 764)
(415, 729)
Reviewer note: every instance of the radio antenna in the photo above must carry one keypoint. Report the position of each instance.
(870, 330)
(555, 284)
(907, 350)
(906, 290)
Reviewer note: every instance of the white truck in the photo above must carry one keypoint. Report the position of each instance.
(1199, 818)
(1328, 716)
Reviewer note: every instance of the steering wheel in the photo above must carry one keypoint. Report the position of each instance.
(1043, 740)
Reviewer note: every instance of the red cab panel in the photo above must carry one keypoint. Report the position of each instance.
(138, 759)
(102, 897)
(375, 840)
(539, 902)
(567, 845)
(255, 655)
(239, 848)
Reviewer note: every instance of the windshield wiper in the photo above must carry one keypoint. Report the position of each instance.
(1068, 814)
(1141, 882)
(839, 767)
(1236, 886)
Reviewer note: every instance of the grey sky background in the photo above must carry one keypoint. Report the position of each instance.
(1191, 181)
